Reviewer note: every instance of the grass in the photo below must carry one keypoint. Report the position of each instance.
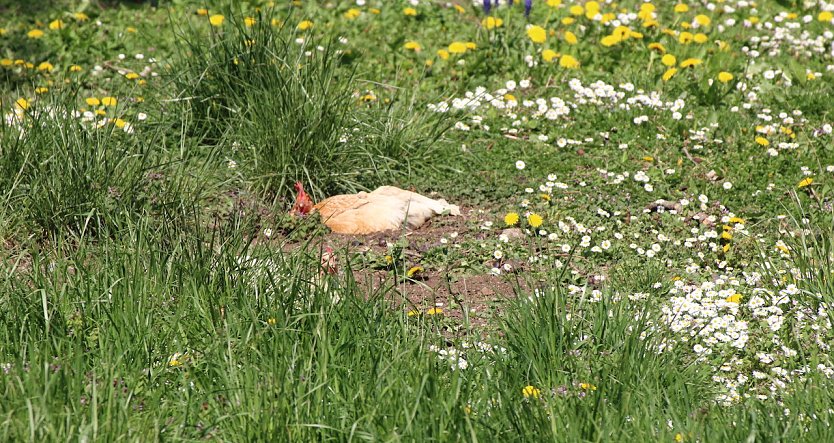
(667, 277)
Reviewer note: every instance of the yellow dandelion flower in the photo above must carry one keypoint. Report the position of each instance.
(648, 158)
(45, 66)
(669, 60)
(511, 218)
(623, 32)
(549, 55)
(762, 141)
(531, 391)
(414, 270)
(610, 40)
(691, 62)
(109, 101)
(248, 22)
(700, 38)
(119, 123)
(412, 45)
(680, 8)
(703, 20)
(22, 103)
(35, 33)
(217, 20)
(492, 22)
(56, 25)
(271, 321)
(435, 311)
(805, 182)
(6, 62)
(570, 38)
(537, 34)
(460, 9)
(576, 10)
(470, 45)
(411, 12)
(685, 38)
(669, 74)
(651, 24)
(568, 62)
(352, 13)
(457, 48)
(825, 16)
(554, 3)
(588, 386)
(724, 77)
(202, 11)
(535, 220)
(80, 16)
(41, 90)
(567, 21)
(443, 54)
(735, 298)
(592, 8)
(304, 25)
(658, 47)
(92, 101)
(131, 76)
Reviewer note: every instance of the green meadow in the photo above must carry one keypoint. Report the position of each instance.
(645, 250)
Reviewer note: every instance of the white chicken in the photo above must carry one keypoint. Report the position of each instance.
(384, 209)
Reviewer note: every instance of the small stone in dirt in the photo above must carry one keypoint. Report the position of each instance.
(513, 233)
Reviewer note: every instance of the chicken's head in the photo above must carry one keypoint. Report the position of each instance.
(303, 203)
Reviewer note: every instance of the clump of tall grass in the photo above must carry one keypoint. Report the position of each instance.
(62, 174)
(290, 106)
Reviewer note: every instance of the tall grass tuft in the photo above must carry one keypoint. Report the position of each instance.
(294, 110)
(66, 176)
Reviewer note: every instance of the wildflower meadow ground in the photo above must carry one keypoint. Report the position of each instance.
(645, 251)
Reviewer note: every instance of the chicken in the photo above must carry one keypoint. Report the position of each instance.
(384, 209)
